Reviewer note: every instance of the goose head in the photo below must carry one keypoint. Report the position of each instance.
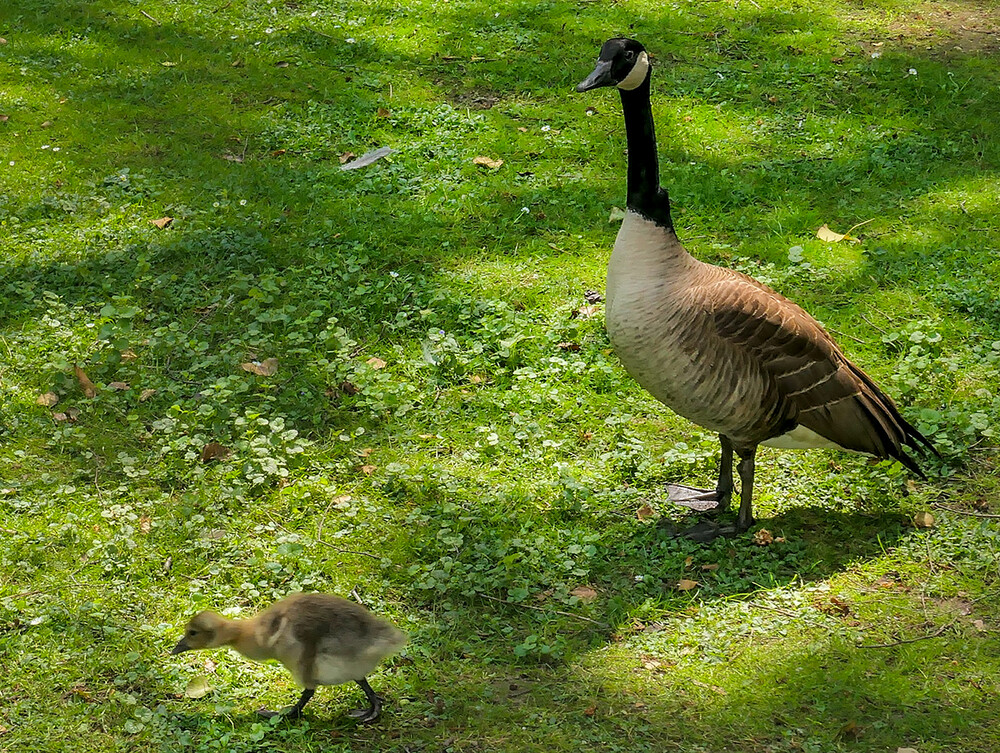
(622, 63)
(204, 630)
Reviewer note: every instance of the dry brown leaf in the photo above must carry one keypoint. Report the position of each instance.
(826, 234)
(645, 512)
(382, 112)
(590, 711)
(162, 222)
(145, 524)
(120, 386)
(232, 157)
(129, 355)
(979, 625)
(48, 399)
(476, 379)
(584, 593)
(763, 537)
(3, 41)
(492, 164)
(366, 452)
(46, 124)
(168, 64)
(585, 312)
(4, 118)
(572, 347)
(349, 388)
(60, 417)
(376, 363)
(278, 152)
(923, 520)
(684, 584)
(88, 387)
(214, 451)
(347, 157)
(368, 470)
(522, 129)
(710, 568)
(267, 367)
(146, 394)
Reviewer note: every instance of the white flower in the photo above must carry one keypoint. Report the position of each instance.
(912, 72)
(546, 128)
(350, 40)
(269, 30)
(56, 148)
(12, 163)
(243, 202)
(45, 146)
(525, 210)
(394, 274)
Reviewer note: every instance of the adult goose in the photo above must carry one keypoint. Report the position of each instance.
(321, 639)
(715, 345)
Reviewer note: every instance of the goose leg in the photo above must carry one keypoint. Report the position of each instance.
(295, 711)
(744, 518)
(701, 500)
(374, 710)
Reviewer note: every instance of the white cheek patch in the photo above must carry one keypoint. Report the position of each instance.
(638, 73)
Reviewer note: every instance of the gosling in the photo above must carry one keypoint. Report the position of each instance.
(320, 639)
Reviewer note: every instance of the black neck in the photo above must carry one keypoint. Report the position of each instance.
(644, 193)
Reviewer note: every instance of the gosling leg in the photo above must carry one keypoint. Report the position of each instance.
(293, 712)
(374, 710)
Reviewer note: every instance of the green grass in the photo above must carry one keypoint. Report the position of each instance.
(493, 460)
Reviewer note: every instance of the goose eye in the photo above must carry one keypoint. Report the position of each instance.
(629, 54)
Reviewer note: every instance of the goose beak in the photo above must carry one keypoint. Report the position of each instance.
(181, 647)
(600, 77)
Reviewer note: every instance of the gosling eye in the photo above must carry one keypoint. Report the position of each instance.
(192, 633)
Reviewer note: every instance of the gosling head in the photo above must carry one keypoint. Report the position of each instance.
(622, 63)
(204, 630)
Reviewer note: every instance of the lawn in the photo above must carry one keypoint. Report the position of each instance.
(231, 370)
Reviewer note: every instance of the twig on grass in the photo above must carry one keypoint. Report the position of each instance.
(990, 516)
(149, 17)
(935, 634)
(547, 611)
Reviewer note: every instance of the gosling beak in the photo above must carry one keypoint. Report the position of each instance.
(600, 77)
(181, 647)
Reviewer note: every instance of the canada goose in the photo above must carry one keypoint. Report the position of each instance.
(715, 345)
(321, 640)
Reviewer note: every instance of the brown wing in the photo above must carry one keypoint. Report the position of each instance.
(823, 390)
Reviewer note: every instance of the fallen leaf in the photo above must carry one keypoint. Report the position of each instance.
(492, 164)
(129, 355)
(4, 118)
(590, 711)
(48, 399)
(237, 64)
(146, 394)
(198, 687)
(72, 413)
(346, 157)
(686, 585)
(3, 41)
(210, 665)
(46, 124)
(168, 64)
(89, 390)
(616, 215)
(281, 64)
(826, 234)
(522, 129)
(162, 222)
(911, 486)
(763, 537)
(584, 593)
(349, 388)
(214, 451)
(118, 386)
(568, 346)
(772, 99)
(923, 520)
(476, 379)
(60, 417)
(366, 452)
(836, 61)
(145, 524)
(688, 561)
(382, 112)
(584, 312)
(710, 568)
(267, 367)
(232, 157)
(367, 158)
(979, 625)
(645, 512)
(375, 362)
(368, 470)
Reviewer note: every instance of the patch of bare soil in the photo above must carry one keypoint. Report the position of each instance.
(950, 29)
